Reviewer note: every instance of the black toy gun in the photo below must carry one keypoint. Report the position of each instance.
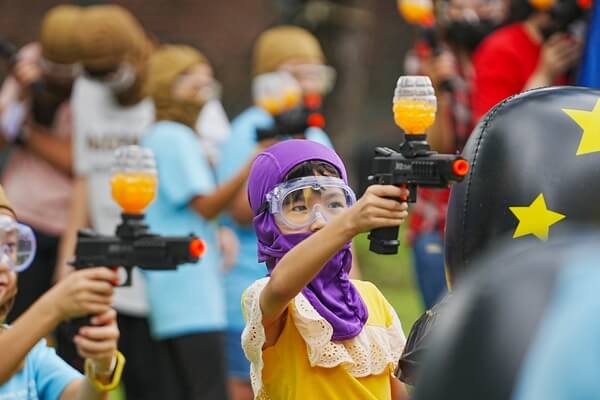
(280, 95)
(414, 164)
(133, 185)
(133, 245)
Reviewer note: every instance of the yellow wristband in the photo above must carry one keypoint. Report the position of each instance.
(116, 375)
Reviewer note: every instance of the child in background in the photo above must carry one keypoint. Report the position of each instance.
(187, 307)
(36, 122)
(29, 368)
(110, 110)
(312, 332)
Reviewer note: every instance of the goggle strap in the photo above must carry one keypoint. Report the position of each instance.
(264, 207)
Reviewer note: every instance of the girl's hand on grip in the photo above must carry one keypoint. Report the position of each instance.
(84, 292)
(379, 207)
(98, 342)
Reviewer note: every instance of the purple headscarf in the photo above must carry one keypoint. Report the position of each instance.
(331, 293)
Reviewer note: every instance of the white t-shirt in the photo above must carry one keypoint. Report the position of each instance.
(101, 125)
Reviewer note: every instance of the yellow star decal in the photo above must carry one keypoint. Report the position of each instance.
(535, 219)
(589, 121)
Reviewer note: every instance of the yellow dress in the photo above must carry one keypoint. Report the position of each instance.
(306, 364)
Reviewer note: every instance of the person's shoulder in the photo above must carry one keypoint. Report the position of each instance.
(169, 131)
(39, 352)
(318, 135)
(250, 118)
(502, 40)
(257, 286)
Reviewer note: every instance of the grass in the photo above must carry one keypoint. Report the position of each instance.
(393, 275)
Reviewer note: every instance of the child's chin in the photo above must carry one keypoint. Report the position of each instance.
(4, 289)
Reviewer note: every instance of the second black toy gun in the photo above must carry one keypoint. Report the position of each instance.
(295, 121)
(133, 184)
(293, 111)
(135, 246)
(414, 164)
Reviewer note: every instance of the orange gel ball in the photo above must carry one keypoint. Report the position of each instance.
(415, 12)
(133, 191)
(291, 99)
(542, 5)
(414, 116)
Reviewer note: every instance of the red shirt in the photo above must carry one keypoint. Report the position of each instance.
(503, 64)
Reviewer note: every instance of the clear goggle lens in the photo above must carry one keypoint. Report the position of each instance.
(60, 71)
(313, 78)
(207, 88)
(118, 80)
(300, 202)
(17, 244)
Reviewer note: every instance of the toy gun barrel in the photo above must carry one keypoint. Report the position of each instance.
(435, 170)
(149, 252)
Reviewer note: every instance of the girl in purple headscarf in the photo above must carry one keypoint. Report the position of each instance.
(311, 332)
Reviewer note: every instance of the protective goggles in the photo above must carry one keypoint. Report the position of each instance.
(299, 202)
(276, 92)
(118, 79)
(313, 78)
(17, 244)
(60, 71)
(206, 89)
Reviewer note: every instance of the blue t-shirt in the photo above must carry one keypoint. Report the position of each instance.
(190, 299)
(43, 377)
(563, 362)
(234, 154)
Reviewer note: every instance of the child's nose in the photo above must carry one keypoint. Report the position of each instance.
(4, 267)
(318, 223)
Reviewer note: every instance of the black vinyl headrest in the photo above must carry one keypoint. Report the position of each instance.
(538, 151)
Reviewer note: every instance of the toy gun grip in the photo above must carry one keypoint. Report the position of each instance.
(385, 240)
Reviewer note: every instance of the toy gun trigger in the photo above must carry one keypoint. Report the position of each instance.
(412, 192)
(124, 276)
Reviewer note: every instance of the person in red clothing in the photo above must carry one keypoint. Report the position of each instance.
(518, 57)
(462, 25)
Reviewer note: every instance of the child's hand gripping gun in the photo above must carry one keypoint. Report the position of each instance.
(415, 164)
(280, 95)
(134, 185)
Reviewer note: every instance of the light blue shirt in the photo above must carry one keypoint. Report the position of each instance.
(563, 361)
(43, 377)
(190, 299)
(234, 154)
